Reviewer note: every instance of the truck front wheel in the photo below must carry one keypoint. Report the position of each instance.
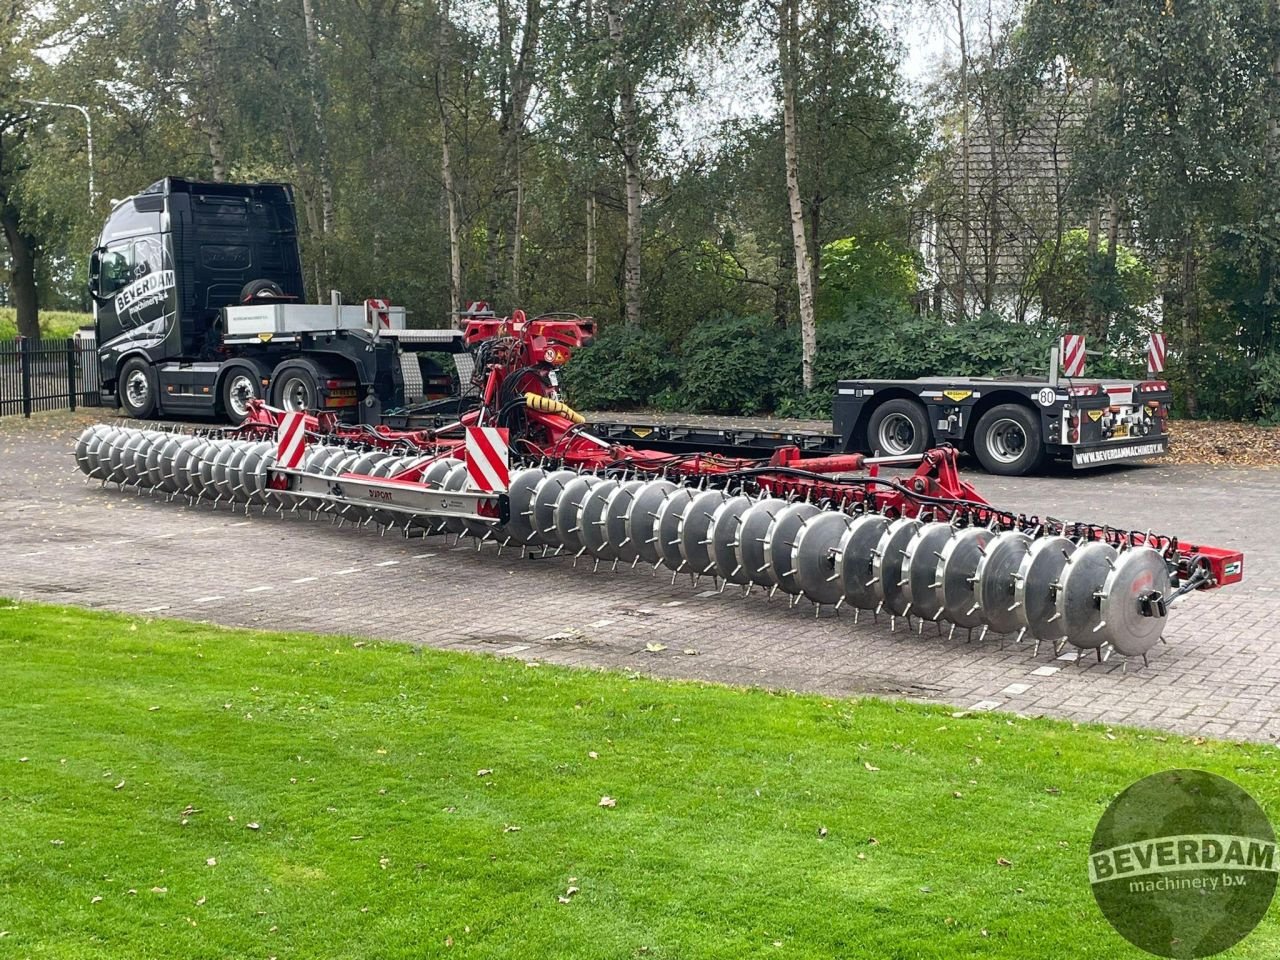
(897, 428)
(294, 388)
(137, 386)
(1008, 441)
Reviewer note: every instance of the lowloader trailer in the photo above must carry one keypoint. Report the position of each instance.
(903, 537)
(197, 291)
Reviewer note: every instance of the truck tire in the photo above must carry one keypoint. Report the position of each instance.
(1008, 440)
(239, 386)
(294, 388)
(137, 388)
(897, 428)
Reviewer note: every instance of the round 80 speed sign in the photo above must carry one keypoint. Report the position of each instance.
(1047, 397)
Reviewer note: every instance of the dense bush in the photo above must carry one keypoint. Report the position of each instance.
(626, 366)
(736, 365)
(856, 272)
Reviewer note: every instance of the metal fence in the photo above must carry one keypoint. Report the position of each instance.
(38, 375)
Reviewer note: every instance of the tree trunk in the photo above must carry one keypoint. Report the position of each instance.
(629, 143)
(1092, 322)
(210, 115)
(312, 70)
(963, 265)
(1190, 309)
(591, 248)
(446, 172)
(788, 40)
(22, 272)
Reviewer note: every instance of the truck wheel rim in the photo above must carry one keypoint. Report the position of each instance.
(294, 396)
(896, 434)
(239, 393)
(137, 389)
(1006, 441)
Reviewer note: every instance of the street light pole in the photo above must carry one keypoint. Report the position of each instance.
(88, 124)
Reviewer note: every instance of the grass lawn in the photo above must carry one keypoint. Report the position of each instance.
(178, 790)
(54, 324)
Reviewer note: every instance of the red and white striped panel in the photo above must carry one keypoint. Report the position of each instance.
(378, 314)
(486, 459)
(1073, 355)
(1155, 353)
(291, 440)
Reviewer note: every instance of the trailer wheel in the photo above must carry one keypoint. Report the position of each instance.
(239, 386)
(137, 388)
(1008, 440)
(294, 388)
(897, 428)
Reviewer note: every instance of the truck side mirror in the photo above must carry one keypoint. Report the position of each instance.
(95, 273)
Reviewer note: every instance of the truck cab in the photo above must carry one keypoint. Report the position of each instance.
(179, 273)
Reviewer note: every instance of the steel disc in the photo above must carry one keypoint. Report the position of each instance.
(437, 470)
(695, 527)
(958, 571)
(1079, 613)
(253, 475)
(780, 543)
(888, 564)
(154, 466)
(994, 589)
(232, 480)
(520, 492)
(591, 519)
(726, 524)
(667, 527)
(168, 453)
(1139, 571)
(1036, 586)
(129, 466)
(82, 447)
(545, 496)
(920, 569)
(642, 517)
(186, 466)
(853, 560)
(114, 456)
(814, 555)
(616, 509)
(92, 465)
(208, 457)
(568, 506)
(752, 557)
(455, 481)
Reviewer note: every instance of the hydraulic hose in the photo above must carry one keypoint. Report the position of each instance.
(547, 405)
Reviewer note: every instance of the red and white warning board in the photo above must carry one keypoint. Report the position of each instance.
(1073, 355)
(291, 440)
(378, 313)
(1155, 353)
(486, 459)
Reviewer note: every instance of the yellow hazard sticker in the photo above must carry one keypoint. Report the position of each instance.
(1095, 415)
(642, 432)
(264, 337)
(957, 395)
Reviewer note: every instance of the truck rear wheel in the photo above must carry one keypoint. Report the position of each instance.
(137, 387)
(1008, 441)
(294, 388)
(897, 428)
(239, 386)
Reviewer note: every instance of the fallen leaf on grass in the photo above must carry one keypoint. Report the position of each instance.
(211, 862)
(593, 755)
(1003, 862)
(608, 802)
(870, 767)
(118, 786)
(200, 902)
(822, 831)
(252, 826)
(486, 772)
(160, 890)
(96, 900)
(511, 828)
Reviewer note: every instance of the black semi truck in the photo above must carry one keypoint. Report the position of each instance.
(197, 291)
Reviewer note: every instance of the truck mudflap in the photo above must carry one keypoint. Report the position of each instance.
(1097, 455)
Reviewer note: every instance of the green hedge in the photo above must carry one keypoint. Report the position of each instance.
(751, 365)
(54, 324)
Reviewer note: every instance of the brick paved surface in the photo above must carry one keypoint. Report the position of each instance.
(65, 540)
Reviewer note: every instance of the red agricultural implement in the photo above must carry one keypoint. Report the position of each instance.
(902, 536)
